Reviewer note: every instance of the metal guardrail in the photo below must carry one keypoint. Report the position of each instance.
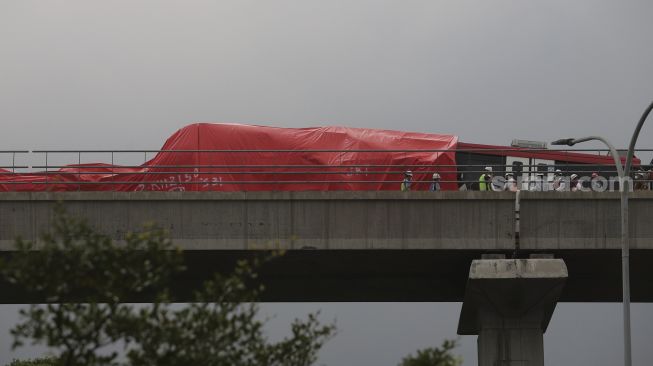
(463, 174)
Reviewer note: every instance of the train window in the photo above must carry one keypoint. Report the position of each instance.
(542, 168)
(517, 168)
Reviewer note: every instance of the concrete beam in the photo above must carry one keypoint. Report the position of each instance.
(583, 220)
(508, 304)
(288, 220)
(362, 246)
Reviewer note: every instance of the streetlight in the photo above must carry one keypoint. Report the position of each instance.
(623, 172)
(624, 234)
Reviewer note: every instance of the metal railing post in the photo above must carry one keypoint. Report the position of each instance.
(46, 171)
(79, 173)
(113, 173)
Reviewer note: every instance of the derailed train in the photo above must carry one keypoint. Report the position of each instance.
(236, 157)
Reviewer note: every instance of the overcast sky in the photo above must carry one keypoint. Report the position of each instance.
(127, 74)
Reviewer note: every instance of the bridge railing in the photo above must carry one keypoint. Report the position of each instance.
(49, 171)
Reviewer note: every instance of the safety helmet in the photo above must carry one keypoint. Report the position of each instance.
(408, 173)
(488, 169)
(558, 172)
(574, 176)
(436, 176)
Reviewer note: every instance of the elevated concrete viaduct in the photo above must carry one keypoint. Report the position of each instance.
(387, 246)
(366, 246)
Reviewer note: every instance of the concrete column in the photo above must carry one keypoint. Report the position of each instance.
(508, 304)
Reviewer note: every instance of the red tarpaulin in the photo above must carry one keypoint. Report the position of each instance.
(285, 159)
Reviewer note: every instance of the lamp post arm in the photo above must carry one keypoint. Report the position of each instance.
(633, 140)
(613, 152)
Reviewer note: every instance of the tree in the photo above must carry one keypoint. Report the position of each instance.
(436, 356)
(84, 278)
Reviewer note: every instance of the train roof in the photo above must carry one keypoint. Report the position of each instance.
(545, 154)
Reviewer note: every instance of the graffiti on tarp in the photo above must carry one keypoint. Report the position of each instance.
(356, 172)
(182, 182)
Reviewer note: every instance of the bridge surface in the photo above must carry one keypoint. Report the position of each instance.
(365, 246)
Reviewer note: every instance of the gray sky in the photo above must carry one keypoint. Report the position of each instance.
(126, 74)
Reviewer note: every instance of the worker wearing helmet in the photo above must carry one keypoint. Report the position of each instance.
(640, 182)
(435, 184)
(557, 180)
(598, 183)
(537, 184)
(485, 179)
(408, 178)
(560, 183)
(511, 183)
(575, 184)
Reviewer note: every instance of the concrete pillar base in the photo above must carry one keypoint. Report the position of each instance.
(508, 304)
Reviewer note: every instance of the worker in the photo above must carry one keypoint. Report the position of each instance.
(598, 183)
(559, 182)
(537, 184)
(408, 177)
(575, 184)
(485, 179)
(462, 186)
(511, 183)
(641, 181)
(435, 184)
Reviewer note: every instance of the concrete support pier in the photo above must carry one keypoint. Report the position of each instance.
(508, 304)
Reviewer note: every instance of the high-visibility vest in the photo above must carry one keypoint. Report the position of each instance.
(482, 186)
(405, 185)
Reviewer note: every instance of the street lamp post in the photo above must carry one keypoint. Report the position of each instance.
(623, 188)
(623, 172)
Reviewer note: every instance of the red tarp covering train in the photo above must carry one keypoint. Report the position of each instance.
(234, 157)
(288, 159)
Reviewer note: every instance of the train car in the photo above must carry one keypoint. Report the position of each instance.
(236, 157)
(528, 160)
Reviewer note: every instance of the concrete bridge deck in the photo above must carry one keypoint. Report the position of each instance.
(366, 246)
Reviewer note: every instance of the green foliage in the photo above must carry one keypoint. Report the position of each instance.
(46, 361)
(436, 356)
(85, 278)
